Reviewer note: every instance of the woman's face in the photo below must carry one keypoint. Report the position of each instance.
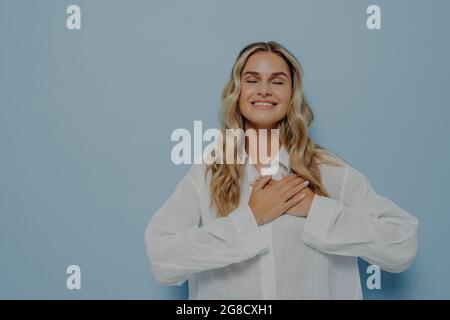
(265, 90)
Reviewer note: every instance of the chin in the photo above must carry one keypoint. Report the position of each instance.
(263, 116)
(263, 122)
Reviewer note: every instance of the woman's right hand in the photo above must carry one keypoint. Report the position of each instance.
(268, 204)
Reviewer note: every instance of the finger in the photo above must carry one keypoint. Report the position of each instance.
(279, 183)
(292, 184)
(293, 191)
(262, 182)
(252, 184)
(294, 201)
(256, 179)
(270, 184)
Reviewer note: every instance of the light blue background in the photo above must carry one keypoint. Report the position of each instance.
(86, 118)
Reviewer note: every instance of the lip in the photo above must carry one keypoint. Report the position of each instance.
(274, 104)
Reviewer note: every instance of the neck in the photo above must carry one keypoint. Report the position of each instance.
(262, 152)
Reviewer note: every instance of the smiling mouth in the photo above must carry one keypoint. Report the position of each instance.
(264, 105)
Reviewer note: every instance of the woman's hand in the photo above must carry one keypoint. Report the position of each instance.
(301, 209)
(270, 198)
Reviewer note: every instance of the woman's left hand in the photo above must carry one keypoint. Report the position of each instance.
(302, 208)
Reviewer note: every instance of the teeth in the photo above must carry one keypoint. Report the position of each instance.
(263, 104)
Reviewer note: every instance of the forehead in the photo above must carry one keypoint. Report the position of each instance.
(266, 63)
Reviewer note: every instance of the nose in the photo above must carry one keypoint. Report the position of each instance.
(264, 89)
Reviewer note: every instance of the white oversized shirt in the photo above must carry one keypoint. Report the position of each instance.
(289, 258)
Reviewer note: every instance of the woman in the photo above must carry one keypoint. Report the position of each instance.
(296, 234)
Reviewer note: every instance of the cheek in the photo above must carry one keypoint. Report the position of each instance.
(284, 95)
(245, 93)
(244, 97)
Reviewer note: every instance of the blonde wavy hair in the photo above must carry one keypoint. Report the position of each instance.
(304, 154)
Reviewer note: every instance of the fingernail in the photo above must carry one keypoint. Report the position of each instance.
(306, 183)
(303, 195)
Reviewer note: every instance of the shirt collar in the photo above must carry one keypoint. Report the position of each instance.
(282, 158)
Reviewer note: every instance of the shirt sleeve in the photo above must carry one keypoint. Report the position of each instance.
(177, 246)
(364, 224)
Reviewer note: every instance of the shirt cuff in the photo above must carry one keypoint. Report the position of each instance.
(249, 231)
(319, 219)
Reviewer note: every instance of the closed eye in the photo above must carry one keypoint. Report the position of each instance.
(252, 81)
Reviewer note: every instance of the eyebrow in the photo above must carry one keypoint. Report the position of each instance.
(275, 74)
